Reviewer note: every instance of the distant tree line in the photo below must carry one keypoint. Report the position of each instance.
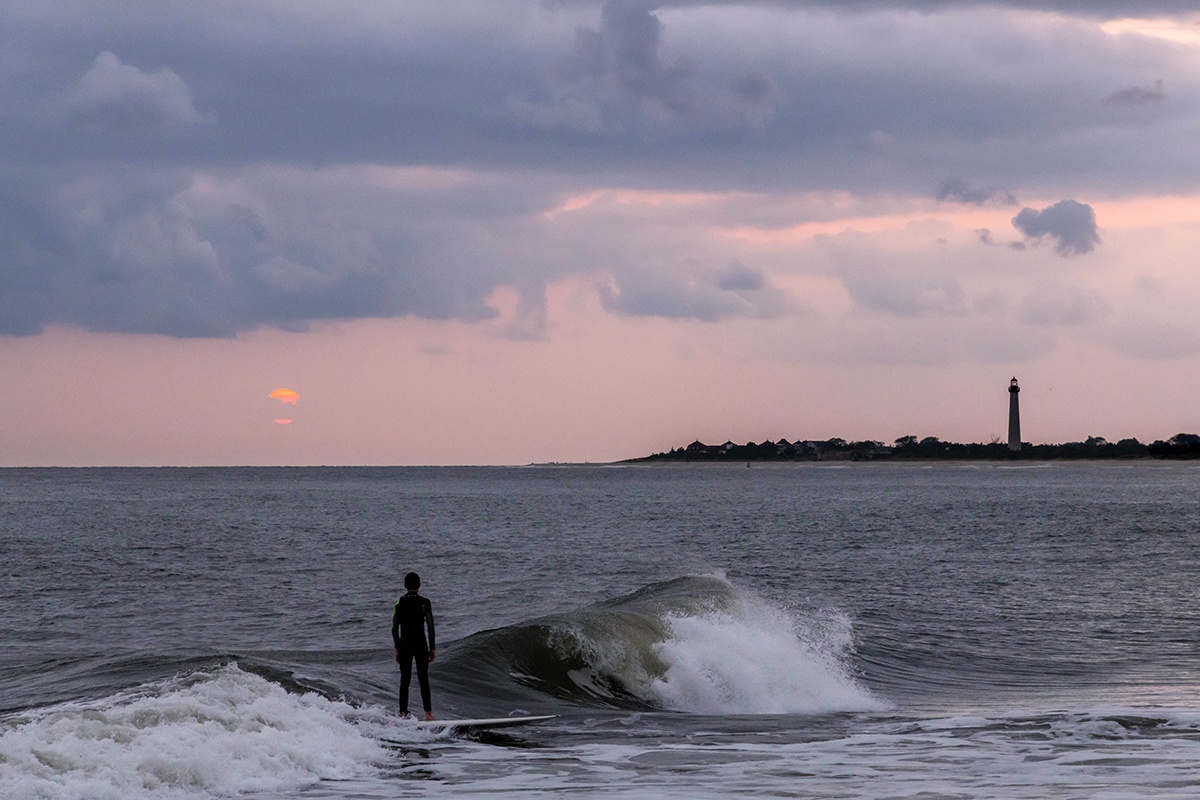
(1181, 445)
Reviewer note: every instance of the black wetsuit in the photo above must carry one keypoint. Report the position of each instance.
(413, 615)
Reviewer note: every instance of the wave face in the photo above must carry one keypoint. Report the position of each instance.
(695, 644)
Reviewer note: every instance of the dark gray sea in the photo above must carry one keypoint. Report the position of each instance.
(802, 630)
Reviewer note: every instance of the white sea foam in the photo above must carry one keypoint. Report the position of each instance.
(1071, 757)
(220, 733)
(756, 658)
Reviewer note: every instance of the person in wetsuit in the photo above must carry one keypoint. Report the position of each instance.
(411, 618)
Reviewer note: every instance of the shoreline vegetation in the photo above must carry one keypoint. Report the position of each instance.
(910, 448)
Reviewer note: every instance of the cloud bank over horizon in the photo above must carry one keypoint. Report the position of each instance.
(201, 173)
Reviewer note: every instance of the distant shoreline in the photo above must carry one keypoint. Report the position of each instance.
(1182, 446)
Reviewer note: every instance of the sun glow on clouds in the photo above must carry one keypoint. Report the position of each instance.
(731, 215)
(634, 197)
(389, 177)
(968, 218)
(1171, 30)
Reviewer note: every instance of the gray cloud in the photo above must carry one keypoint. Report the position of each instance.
(144, 251)
(957, 189)
(177, 171)
(1070, 223)
(627, 46)
(121, 99)
(737, 277)
(614, 79)
(735, 291)
(1104, 9)
(605, 90)
(1137, 95)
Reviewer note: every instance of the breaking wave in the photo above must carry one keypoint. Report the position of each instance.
(244, 726)
(222, 731)
(695, 644)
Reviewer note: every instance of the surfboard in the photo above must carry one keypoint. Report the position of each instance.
(482, 724)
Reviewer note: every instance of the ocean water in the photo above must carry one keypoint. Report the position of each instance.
(798, 630)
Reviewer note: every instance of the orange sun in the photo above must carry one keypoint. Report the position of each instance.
(285, 396)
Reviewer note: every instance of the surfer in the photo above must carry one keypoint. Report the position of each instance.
(411, 618)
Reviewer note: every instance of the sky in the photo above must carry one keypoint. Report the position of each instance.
(517, 231)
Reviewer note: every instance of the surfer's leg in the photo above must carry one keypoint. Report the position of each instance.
(406, 660)
(423, 679)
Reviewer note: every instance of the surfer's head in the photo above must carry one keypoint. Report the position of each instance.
(412, 581)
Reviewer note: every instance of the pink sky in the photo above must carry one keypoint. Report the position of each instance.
(635, 262)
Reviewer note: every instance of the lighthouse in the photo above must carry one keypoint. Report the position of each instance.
(1014, 416)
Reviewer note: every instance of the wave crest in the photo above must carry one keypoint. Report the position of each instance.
(696, 644)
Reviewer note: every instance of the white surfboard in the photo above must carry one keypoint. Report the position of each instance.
(482, 724)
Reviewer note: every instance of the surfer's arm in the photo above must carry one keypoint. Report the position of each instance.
(396, 630)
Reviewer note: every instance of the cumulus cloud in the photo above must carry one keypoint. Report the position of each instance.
(114, 97)
(627, 48)
(146, 251)
(1071, 224)
(614, 71)
(617, 81)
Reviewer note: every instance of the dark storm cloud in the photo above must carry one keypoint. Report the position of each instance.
(143, 251)
(174, 171)
(126, 264)
(607, 91)
(1071, 224)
